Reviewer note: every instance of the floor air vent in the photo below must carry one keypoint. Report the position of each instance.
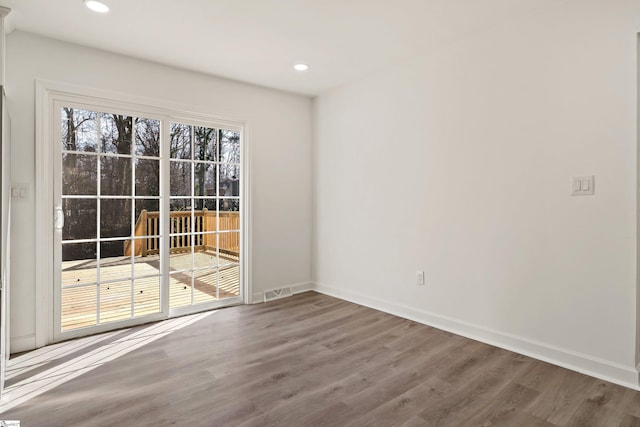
(277, 294)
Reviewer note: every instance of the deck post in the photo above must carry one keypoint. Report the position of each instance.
(205, 221)
(144, 224)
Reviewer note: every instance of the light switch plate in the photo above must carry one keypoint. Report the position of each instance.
(20, 191)
(420, 278)
(582, 185)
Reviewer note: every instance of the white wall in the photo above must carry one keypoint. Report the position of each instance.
(458, 162)
(280, 147)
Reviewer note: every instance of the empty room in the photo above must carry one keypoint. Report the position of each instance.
(319, 213)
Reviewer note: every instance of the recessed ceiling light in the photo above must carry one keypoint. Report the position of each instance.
(96, 6)
(301, 67)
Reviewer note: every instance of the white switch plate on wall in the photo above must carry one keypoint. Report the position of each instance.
(20, 191)
(582, 185)
(420, 278)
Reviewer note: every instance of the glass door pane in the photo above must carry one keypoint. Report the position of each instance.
(110, 198)
(204, 258)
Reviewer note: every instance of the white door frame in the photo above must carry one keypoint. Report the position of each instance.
(5, 238)
(47, 94)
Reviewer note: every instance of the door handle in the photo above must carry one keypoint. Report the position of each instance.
(58, 218)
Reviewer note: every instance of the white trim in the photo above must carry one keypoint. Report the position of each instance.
(43, 226)
(23, 343)
(637, 212)
(296, 288)
(246, 225)
(165, 203)
(99, 97)
(626, 376)
(47, 93)
(4, 12)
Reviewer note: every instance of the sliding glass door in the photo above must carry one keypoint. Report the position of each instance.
(204, 221)
(147, 218)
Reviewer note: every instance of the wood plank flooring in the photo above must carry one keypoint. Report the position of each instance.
(313, 360)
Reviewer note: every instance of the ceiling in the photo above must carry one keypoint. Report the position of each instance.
(259, 41)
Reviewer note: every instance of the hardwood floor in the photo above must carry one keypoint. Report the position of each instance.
(313, 360)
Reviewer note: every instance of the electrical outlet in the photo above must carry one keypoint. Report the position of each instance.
(420, 278)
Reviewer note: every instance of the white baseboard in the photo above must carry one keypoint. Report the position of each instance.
(296, 288)
(626, 376)
(23, 343)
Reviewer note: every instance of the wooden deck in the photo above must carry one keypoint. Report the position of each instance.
(118, 302)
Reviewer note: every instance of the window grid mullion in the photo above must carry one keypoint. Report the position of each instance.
(133, 211)
(98, 211)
